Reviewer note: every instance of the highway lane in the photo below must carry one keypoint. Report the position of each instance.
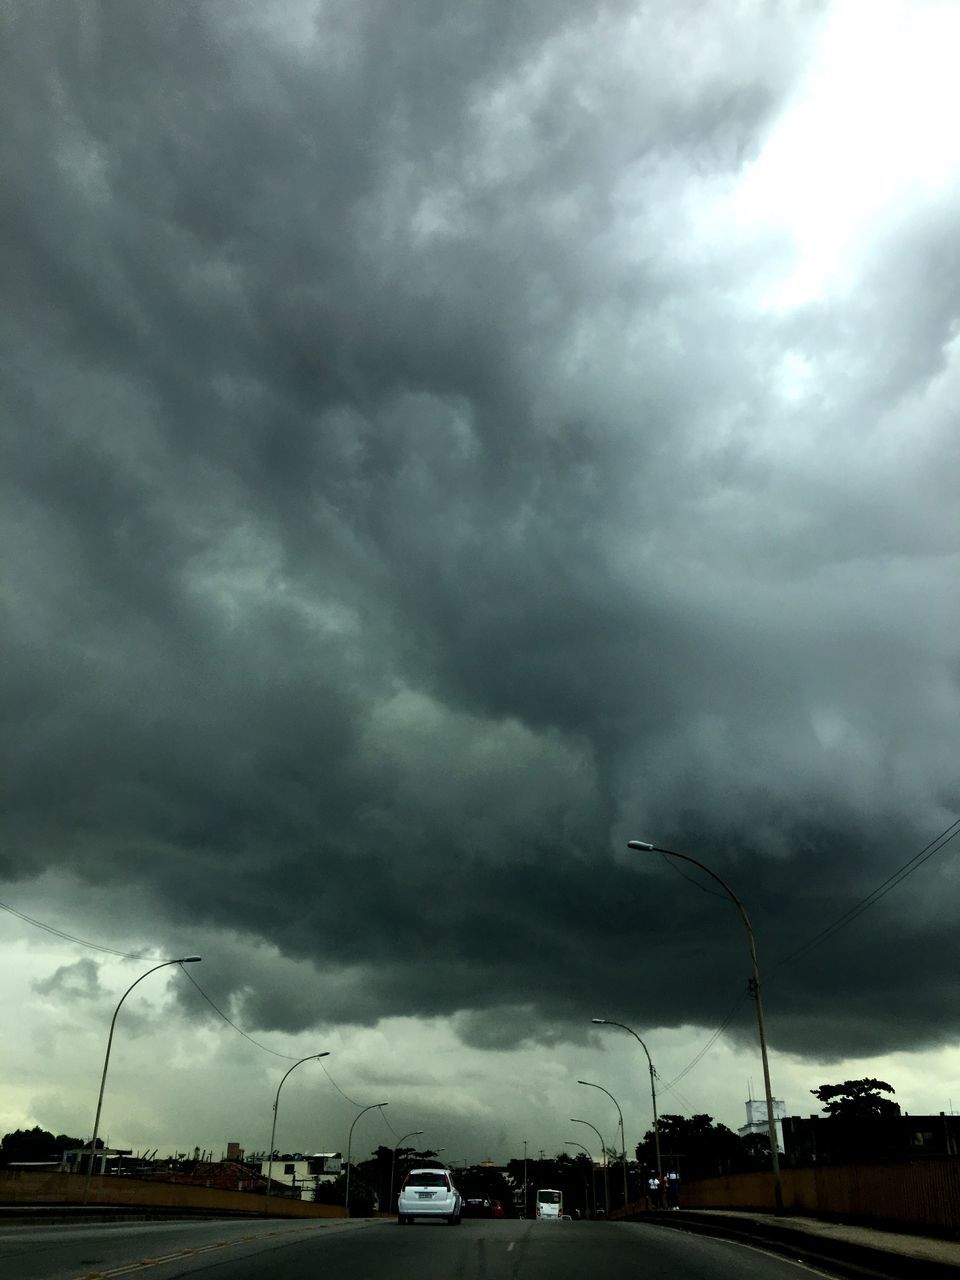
(278, 1249)
(65, 1251)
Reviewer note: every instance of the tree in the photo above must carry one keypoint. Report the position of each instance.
(36, 1144)
(857, 1100)
(696, 1147)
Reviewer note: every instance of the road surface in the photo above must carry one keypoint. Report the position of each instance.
(278, 1249)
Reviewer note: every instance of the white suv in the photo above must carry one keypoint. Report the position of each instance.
(429, 1193)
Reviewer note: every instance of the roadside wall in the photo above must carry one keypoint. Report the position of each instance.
(19, 1187)
(918, 1193)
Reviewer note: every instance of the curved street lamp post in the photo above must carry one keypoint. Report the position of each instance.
(606, 1022)
(603, 1152)
(644, 847)
(414, 1133)
(372, 1107)
(623, 1138)
(311, 1057)
(106, 1062)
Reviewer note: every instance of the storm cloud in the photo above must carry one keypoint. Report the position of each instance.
(430, 460)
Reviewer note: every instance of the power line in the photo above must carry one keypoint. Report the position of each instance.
(710, 1043)
(886, 886)
(871, 899)
(712, 893)
(684, 1101)
(69, 937)
(141, 955)
(239, 1030)
(353, 1102)
(289, 1057)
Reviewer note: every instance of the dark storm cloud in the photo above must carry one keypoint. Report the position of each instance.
(400, 517)
(76, 981)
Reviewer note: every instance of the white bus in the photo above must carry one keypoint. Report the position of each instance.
(549, 1203)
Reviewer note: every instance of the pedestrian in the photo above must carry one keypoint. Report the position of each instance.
(653, 1192)
(672, 1179)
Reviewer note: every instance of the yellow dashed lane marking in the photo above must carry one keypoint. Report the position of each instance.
(127, 1268)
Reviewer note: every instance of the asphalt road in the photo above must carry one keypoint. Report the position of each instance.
(278, 1249)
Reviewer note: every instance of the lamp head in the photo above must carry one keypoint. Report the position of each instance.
(189, 960)
(639, 844)
(325, 1054)
(598, 1020)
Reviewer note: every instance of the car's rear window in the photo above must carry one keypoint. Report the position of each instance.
(426, 1180)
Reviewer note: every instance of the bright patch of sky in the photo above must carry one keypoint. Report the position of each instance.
(873, 122)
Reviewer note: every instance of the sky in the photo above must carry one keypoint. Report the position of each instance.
(440, 443)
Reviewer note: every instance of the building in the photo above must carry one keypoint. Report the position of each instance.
(303, 1173)
(105, 1160)
(757, 1120)
(818, 1139)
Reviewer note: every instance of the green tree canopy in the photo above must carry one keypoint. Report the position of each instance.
(36, 1144)
(696, 1147)
(857, 1100)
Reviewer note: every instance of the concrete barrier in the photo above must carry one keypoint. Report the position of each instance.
(28, 1188)
(914, 1195)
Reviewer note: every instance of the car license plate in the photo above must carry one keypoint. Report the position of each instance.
(424, 1195)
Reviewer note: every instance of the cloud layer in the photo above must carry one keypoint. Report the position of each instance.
(439, 447)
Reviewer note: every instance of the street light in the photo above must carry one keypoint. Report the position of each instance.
(311, 1057)
(623, 1136)
(606, 1022)
(372, 1107)
(414, 1133)
(644, 847)
(593, 1176)
(603, 1152)
(106, 1062)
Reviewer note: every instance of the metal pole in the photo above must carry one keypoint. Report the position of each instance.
(623, 1142)
(525, 1201)
(393, 1163)
(755, 988)
(106, 1063)
(653, 1091)
(372, 1107)
(311, 1057)
(603, 1149)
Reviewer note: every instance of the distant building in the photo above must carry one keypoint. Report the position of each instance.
(757, 1119)
(106, 1160)
(302, 1172)
(223, 1175)
(819, 1139)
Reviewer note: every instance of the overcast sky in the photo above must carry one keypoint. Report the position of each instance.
(441, 442)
